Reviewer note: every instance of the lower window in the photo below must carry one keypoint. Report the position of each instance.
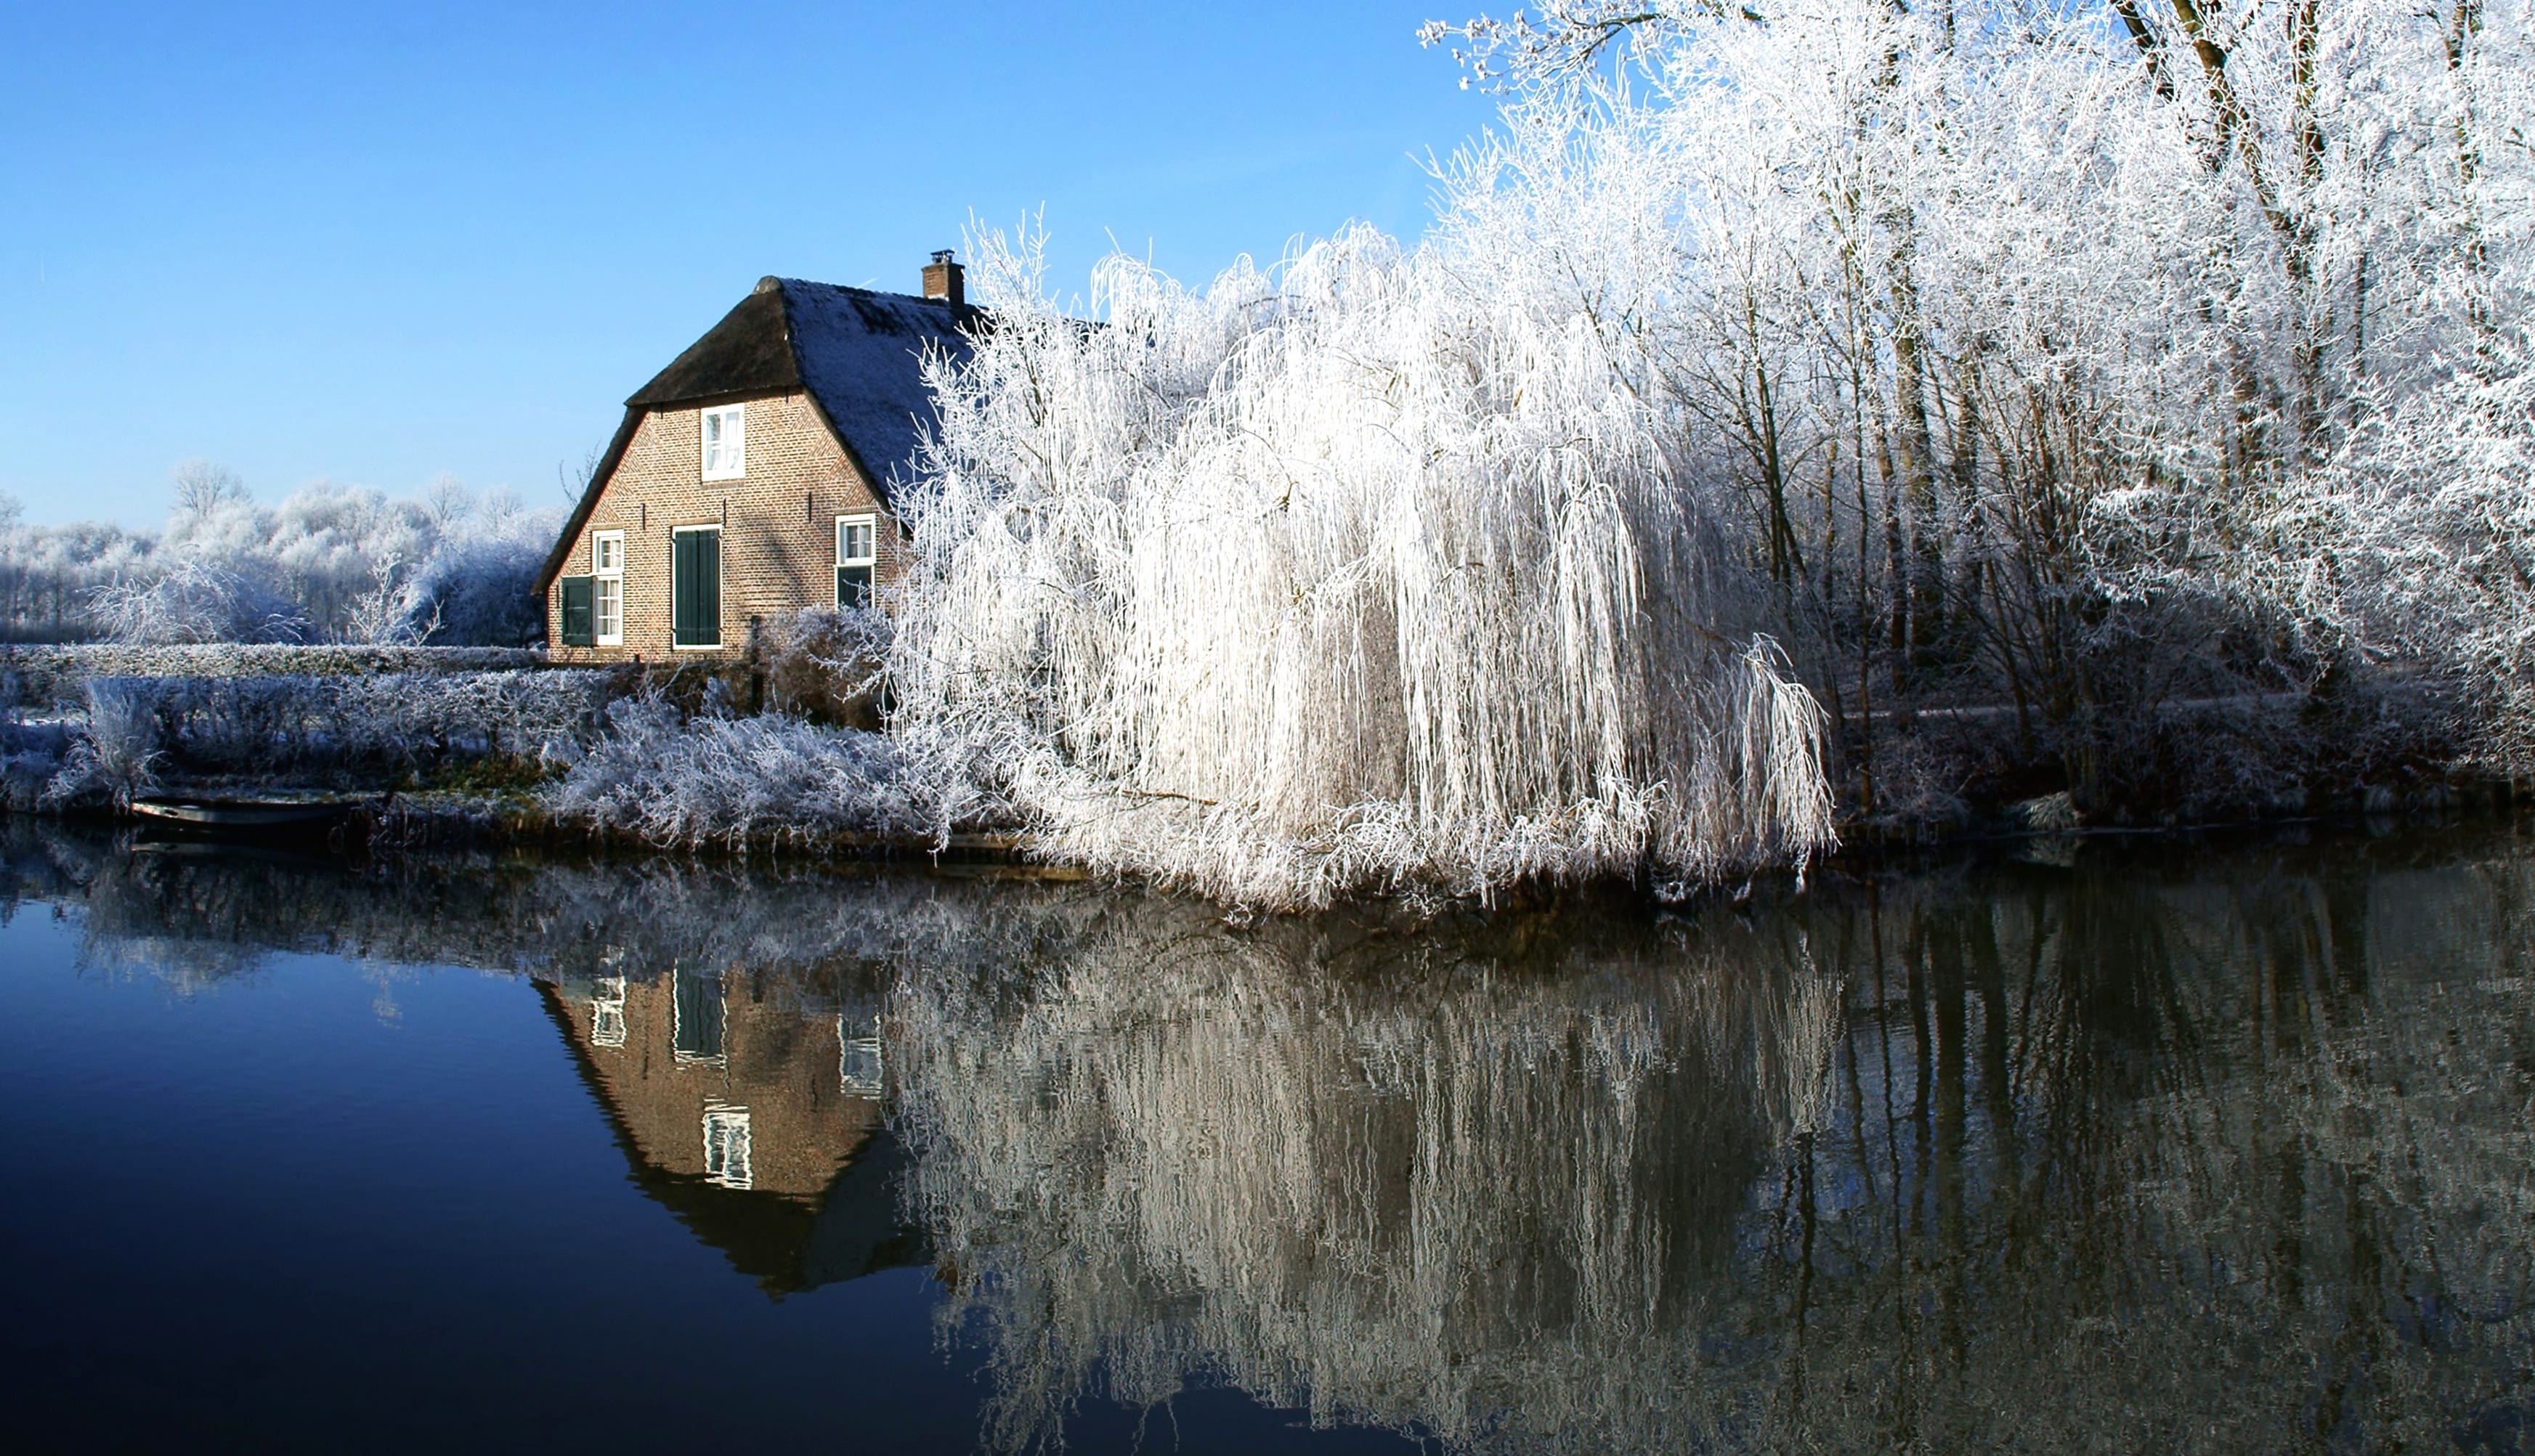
(609, 617)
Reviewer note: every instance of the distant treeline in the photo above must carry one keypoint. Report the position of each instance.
(331, 563)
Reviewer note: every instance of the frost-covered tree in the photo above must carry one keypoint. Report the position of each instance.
(2126, 398)
(1345, 577)
(2037, 344)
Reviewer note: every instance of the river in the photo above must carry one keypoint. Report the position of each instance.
(2075, 1145)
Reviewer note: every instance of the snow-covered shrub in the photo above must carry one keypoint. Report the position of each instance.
(672, 779)
(196, 600)
(31, 756)
(480, 591)
(1345, 578)
(116, 753)
(825, 663)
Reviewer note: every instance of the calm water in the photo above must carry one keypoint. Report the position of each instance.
(2162, 1149)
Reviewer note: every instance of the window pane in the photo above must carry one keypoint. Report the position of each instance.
(611, 607)
(854, 586)
(859, 1071)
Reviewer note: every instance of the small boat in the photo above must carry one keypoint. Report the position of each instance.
(269, 813)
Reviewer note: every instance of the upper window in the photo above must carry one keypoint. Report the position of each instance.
(607, 580)
(859, 1071)
(726, 442)
(855, 546)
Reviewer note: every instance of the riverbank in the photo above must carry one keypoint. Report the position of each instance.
(465, 750)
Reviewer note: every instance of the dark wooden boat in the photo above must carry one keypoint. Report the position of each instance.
(275, 811)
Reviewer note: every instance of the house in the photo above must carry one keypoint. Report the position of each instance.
(754, 476)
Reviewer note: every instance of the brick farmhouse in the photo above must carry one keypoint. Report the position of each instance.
(752, 1112)
(753, 475)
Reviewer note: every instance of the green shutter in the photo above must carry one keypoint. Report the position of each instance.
(708, 587)
(854, 586)
(572, 599)
(682, 585)
(694, 569)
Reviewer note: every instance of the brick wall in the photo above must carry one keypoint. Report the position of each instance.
(778, 550)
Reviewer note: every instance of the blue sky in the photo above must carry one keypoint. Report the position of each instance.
(375, 244)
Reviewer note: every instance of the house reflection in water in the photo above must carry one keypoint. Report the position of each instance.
(752, 1111)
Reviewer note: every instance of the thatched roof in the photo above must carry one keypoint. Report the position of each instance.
(858, 354)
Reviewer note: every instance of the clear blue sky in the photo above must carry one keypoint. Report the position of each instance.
(375, 243)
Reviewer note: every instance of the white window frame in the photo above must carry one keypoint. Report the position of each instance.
(608, 1012)
(602, 576)
(870, 558)
(861, 1067)
(728, 1150)
(733, 434)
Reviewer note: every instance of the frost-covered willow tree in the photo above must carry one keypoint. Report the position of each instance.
(1351, 575)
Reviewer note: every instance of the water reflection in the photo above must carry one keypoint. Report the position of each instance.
(739, 1116)
(2198, 1150)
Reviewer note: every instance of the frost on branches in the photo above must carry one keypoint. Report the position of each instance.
(2145, 380)
(1343, 578)
(2119, 406)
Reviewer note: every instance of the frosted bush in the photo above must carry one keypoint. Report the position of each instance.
(479, 591)
(736, 781)
(1341, 579)
(825, 662)
(196, 600)
(2417, 546)
(116, 753)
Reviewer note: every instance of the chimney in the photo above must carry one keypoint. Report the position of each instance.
(943, 280)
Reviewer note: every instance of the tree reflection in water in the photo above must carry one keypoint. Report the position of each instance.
(2203, 1150)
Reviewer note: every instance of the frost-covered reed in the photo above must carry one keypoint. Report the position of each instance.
(713, 778)
(139, 729)
(1343, 578)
